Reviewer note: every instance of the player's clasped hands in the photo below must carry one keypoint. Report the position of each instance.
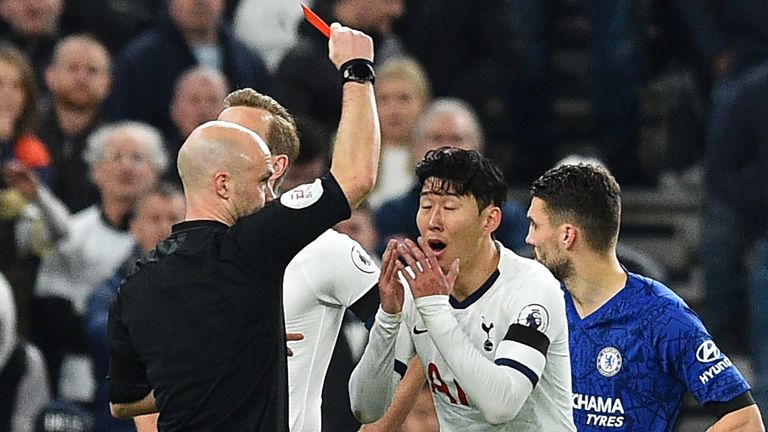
(390, 290)
(425, 277)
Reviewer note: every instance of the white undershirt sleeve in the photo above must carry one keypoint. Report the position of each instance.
(494, 388)
(374, 379)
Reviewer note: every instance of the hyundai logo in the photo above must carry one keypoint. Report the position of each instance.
(707, 352)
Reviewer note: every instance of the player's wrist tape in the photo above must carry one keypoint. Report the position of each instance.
(357, 70)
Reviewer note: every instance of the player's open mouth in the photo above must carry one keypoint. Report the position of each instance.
(437, 246)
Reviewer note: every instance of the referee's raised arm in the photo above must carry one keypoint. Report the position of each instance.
(356, 150)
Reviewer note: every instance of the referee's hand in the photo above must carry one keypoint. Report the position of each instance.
(347, 44)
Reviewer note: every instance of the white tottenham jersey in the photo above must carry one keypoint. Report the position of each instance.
(499, 359)
(321, 281)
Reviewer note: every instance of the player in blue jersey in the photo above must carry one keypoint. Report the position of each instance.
(636, 347)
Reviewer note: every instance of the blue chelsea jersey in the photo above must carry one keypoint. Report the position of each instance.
(633, 359)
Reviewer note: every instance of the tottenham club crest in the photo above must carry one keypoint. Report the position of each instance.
(609, 361)
(488, 344)
(534, 315)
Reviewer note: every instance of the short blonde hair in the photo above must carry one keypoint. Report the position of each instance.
(283, 136)
(408, 69)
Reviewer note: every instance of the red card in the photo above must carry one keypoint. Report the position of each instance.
(316, 21)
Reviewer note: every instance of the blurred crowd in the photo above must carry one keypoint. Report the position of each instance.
(97, 96)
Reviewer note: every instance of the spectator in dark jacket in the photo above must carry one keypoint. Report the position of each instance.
(193, 34)
(78, 79)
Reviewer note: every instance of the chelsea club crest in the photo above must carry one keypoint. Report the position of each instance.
(609, 361)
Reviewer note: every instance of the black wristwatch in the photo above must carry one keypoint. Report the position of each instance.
(358, 70)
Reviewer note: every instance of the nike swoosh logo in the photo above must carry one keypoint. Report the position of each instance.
(418, 331)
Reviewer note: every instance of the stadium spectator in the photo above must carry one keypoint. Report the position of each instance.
(113, 22)
(19, 147)
(738, 32)
(18, 113)
(402, 94)
(193, 34)
(78, 78)
(359, 227)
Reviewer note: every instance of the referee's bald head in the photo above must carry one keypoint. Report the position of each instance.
(222, 161)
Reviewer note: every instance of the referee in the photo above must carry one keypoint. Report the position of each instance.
(197, 331)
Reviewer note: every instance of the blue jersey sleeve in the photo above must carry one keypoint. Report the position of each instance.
(690, 354)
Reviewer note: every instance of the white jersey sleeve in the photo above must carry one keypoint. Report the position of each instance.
(373, 381)
(499, 387)
(353, 274)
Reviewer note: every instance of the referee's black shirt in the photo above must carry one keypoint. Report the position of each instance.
(201, 320)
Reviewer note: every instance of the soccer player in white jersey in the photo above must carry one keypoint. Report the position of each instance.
(492, 338)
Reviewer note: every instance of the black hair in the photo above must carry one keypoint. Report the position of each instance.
(464, 172)
(584, 194)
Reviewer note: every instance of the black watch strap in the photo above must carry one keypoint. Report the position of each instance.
(357, 70)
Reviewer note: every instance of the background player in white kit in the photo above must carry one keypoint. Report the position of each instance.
(329, 275)
(492, 338)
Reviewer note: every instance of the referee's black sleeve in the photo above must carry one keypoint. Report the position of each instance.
(274, 235)
(127, 378)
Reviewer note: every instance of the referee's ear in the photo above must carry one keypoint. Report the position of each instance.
(222, 181)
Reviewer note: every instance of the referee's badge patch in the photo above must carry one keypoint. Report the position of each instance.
(609, 361)
(302, 196)
(362, 260)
